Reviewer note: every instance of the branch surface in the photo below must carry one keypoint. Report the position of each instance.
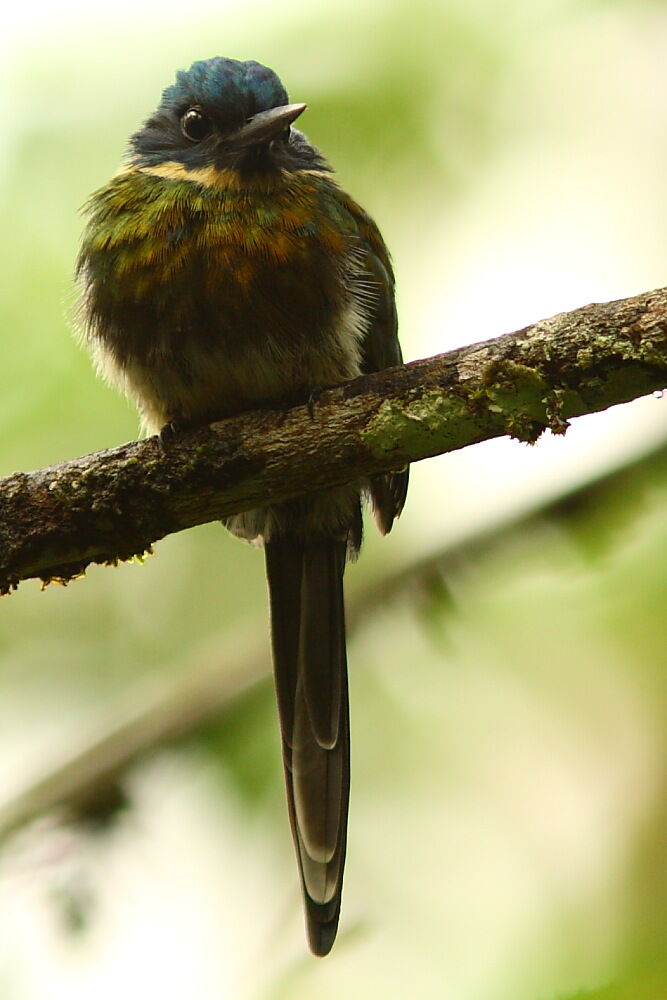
(114, 504)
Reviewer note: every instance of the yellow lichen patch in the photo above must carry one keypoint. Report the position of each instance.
(61, 581)
(140, 557)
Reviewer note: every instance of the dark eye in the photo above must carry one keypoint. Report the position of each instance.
(195, 126)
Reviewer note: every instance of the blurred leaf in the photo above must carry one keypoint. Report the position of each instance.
(599, 515)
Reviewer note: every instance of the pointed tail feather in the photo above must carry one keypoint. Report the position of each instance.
(308, 633)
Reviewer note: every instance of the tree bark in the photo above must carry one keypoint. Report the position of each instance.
(114, 504)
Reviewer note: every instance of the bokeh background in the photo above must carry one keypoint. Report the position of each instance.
(509, 713)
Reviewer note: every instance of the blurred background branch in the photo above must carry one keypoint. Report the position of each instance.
(221, 672)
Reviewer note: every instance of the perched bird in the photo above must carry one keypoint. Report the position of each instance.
(223, 269)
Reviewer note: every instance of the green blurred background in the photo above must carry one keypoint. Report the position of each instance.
(509, 806)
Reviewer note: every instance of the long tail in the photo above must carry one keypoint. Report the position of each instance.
(308, 633)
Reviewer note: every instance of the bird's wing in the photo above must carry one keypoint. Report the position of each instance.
(380, 348)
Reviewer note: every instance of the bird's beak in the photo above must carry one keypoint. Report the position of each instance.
(266, 125)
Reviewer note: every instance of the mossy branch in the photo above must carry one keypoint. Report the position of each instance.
(114, 504)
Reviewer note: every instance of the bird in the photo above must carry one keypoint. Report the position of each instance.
(223, 269)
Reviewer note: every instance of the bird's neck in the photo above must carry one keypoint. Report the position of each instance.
(222, 179)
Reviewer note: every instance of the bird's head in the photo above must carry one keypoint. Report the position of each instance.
(225, 113)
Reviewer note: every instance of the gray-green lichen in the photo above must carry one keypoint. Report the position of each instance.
(111, 506)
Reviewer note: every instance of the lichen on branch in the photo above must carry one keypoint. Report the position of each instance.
(114, 504)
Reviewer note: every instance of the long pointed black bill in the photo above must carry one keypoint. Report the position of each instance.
(266, 125)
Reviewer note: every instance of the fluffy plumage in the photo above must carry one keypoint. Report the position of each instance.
(227, 271)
